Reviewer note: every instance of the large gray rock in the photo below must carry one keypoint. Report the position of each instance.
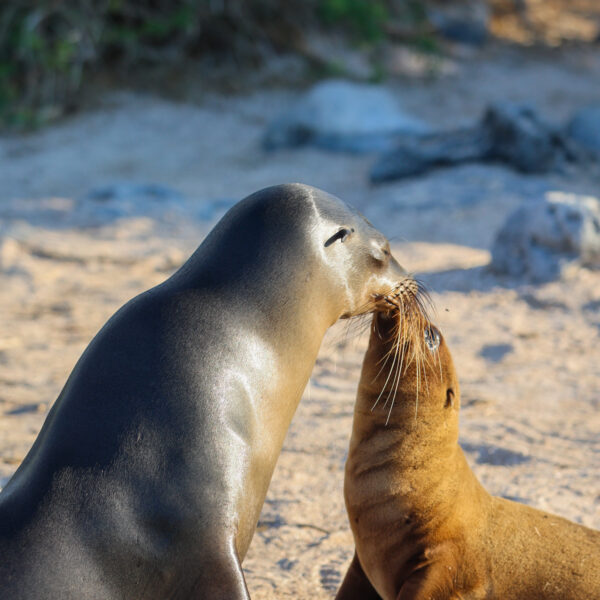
(512, 134)
(584, 127)
(542, 239)
(343, 116)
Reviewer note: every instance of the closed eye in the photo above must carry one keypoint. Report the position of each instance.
(341, 235)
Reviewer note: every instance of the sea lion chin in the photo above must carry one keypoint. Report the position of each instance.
(424, 527)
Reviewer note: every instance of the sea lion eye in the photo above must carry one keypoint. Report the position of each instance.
(432, 338)
(341, 235)
(449, 398)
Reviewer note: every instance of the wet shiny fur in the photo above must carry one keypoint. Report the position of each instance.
(149, 474)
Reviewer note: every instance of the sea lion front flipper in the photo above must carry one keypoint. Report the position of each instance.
(434, 578)
(356, 585)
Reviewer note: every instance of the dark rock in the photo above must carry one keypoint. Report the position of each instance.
(343, 116)
(537, 303)
(513, 134)
(519, 137)
(584, 127)
(419, 154)
(286, 564)
(463, 22)
(542, 239)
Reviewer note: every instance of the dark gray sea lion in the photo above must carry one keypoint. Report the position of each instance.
(149, 474)
(423, 525)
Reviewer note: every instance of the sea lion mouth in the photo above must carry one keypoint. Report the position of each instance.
(403, 294)
(409, 303)
(408, 306)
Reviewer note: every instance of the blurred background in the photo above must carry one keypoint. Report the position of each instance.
(468, 131)
(56, 56)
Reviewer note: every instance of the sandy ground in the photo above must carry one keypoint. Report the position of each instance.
(527, 356)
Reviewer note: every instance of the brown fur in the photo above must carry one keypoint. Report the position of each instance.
(423, 525)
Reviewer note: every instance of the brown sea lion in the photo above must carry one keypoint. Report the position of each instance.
(424, 527)
(149, 474)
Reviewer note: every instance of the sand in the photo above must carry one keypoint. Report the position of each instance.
(527, 356)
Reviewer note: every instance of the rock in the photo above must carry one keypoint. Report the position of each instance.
(463, 22)
(417, 155)
(584, 127)
(519, 137)
(513, 134)
(541, 240)
(343, 116)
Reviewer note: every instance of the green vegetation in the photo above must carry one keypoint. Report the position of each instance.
(366, 18)
(49, 47)
(43, 50)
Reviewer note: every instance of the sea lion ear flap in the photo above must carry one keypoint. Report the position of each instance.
(342, 234)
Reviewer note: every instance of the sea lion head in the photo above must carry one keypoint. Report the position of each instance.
(294, 240)
(408, 370)
(359, 254)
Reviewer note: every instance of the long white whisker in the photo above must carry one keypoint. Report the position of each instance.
(386, 382)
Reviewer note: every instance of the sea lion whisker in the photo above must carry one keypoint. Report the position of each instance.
(391, 387)
(353, 329)
(417, 397)
(401, 366)
(424, 296)
(385, 357)
(384, 385)
(397, 373)
(439, 361)
(411, 304)
(395, 385)
(395, 356)
(390, 412)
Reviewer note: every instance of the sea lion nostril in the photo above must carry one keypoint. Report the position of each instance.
(449, 397)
